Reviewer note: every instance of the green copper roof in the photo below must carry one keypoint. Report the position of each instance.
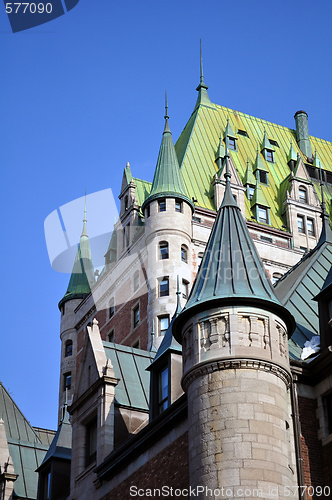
(231, 271)
(292, 155)
(259, 198)
(298, 287)
(249, 177)
(60, 447)
(25, 447)
(317, 162)
(82, 277)
(167, 181)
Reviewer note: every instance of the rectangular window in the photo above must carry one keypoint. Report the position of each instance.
(67, 381)
(269, 155)
(251, 192)
(162, 205)
(185, 289)
(164, 287)
(163, 390)
(178, 206)
(136, 316)
(311, 227)
(91, 442)
(111, 309)
(136, 344)
(163, 324)
(163, 248)
(111, 336)
(263, 215)
(300, 224)
(263, 179)
(232, 143)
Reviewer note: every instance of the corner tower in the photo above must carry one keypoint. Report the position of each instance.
(236, 370)
(80, 284)
(168, 213)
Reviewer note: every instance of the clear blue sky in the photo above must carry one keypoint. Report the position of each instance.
(84, 94)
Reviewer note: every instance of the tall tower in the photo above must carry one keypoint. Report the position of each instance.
(236, 370)
(168, 213)
(80, 284)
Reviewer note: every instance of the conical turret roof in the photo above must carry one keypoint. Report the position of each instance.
(167, 181)
(231, 271)
(82, 276)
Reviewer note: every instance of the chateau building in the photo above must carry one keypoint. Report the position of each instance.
(200, 356)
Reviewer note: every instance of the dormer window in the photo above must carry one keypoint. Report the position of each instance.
(263, 215)
(251, 191)
(232, 143)
(263, 178)
(269, 155)
(162, 205)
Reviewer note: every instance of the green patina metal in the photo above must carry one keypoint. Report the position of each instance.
(260, 163)
(249, 177)
(266, 143)
(259, 198)
(292, 155)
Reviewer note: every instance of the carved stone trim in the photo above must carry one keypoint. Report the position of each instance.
(236, 363)
(85, 317)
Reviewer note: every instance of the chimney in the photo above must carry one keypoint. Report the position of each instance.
(302, 133)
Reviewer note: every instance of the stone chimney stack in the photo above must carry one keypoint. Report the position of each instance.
(302, 133)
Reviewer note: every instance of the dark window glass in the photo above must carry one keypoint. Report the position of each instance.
(164, 287)
(91, 442)
(147, 211)
(311, 227)
(163, 390)
(263, 176)
(232, 143)
(300, 223)
(184, 253)
(69, 348)
(136, 316)
(185, 289)
(162, 205)
(67, 381)
(111, 309)
(111, 336)
(178, 206)
(163, 250)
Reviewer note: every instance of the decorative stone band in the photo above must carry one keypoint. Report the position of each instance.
(235, 364)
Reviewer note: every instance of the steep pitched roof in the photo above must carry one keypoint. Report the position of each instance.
(25, 447)
(130, 365)
(167, 181)
(60, 447)
(82, 276)
(298, 287)
(197, 145)
(231, 271)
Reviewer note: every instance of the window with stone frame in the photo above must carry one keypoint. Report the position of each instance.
(164, 287)
(178, 205)
(303, 195)
(163, 250)
(163, 324)
(111, 308)
(310, 227)
(67, 381)
(162, 205)
(300, 224)
(184, 253)
(68, 348)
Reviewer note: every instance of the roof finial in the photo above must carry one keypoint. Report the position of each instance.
(227, 174)
(324, 212)
(166, 129)
(201, 62)
(84, 231)
(178, 301)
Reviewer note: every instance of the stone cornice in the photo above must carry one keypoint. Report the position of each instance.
(235, 363)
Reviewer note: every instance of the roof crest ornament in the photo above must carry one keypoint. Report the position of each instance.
(166, 129)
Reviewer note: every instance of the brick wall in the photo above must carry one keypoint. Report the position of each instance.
(311, 449)
(169, 468)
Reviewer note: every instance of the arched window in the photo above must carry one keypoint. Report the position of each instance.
(69, 348)
(303, 194)
(184, 253)
(163, 250)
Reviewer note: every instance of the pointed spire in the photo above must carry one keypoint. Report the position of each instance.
(203, 97)
(258, 197)
(231, 270)
(259, 164)
(266, 143)
(220, 154)
(167, 180)
(249, 177)
(292, 156)
(229, 132)
(82, 277)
